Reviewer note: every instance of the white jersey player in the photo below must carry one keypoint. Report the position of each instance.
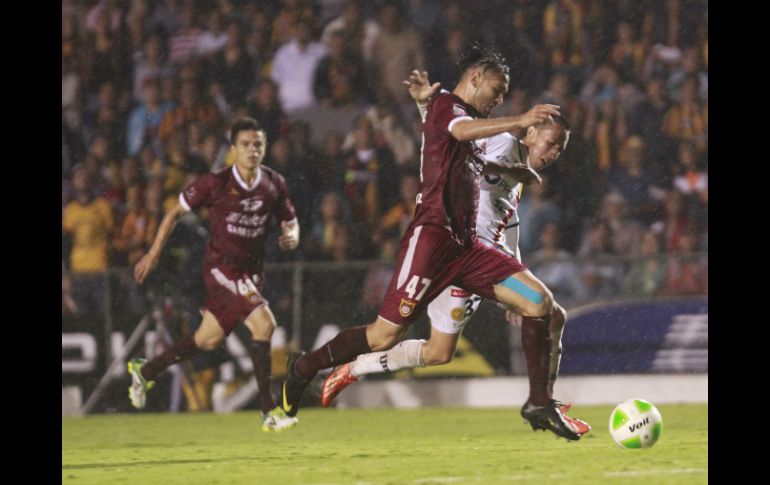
(497, 225)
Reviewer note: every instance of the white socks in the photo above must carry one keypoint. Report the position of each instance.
(405, 355)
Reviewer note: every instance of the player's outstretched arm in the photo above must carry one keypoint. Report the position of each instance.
(420, 88)
(289, 239)
(149, 260)
(467, 130)
(523, 173)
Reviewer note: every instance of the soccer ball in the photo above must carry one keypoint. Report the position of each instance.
(635, 423)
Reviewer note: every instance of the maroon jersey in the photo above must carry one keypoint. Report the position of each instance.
(238, 214)
(449, 171)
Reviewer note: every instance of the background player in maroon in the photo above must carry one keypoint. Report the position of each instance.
(240, 200)
(440, 247)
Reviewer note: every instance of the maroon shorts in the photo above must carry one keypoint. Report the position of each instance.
(232, 295)
(429, 260)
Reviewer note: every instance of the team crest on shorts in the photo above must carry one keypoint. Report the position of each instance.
(457, 313)
(406, 307)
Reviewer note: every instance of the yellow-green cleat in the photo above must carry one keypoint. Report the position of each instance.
(137, 393)
(277, 420)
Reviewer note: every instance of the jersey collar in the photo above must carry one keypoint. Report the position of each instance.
(243, 184)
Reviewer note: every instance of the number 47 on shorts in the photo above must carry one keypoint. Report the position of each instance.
(411, 288)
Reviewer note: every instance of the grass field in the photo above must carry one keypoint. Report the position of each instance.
(383, 446)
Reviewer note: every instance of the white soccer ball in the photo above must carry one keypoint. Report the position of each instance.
(635, 423)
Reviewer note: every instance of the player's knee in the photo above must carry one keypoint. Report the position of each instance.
(380, 340)
(558, 316)
(440, 357)
(540, 305)
(262, 332)
(208, 343)
(435, 355)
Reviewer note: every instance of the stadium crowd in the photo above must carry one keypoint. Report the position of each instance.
(151, 87)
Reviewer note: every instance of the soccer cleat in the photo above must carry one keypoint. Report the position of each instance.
(549, 417)
(276, 420)
(335, 383)
(137, 393)
(578, 425)
(293, 386)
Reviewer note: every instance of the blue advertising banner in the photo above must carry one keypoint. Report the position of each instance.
(668, 335)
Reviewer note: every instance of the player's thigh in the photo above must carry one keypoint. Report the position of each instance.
(209, 334)
(261, 323)
(383, 334)
(525, 292)
(427, 263)
(452, 309)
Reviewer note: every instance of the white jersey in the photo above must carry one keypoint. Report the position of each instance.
(497, 225)
(497, 221)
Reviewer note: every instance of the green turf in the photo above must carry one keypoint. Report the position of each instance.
(383, 446)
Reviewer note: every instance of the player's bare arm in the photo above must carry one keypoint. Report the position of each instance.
(523, 173)
(467, 130)
(289, 238)
(149, 260)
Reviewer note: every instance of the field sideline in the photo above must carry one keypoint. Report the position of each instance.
(376, 446)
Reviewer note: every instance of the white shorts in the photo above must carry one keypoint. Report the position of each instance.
(453, 308)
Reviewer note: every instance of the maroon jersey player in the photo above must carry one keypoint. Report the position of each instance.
(440, 247)
(240, 202)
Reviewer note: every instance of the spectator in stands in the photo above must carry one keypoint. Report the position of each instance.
(89, 221)
(398, 216)
(645, 276)
(327, 171)
(625, 232)
(232, 68)
(183, 44)
(191, 108)
(396, 51)
(358, 33)
(553, 266)
(339, 77)
(294, 68)
(646, 120)
(690, 180)
(633, 181)
(265, 106)
(599, 275)
(687, 272)
(144, 120)
(535, 211)
(149, 63)
(332, 212)
(674, 220)
(688, 119)
(370, 175)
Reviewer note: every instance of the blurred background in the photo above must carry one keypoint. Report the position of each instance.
(618, 230)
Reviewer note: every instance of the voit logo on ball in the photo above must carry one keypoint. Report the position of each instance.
(635, 423)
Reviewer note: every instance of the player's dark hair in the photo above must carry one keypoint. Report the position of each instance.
(243, 124)
(477, 55)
